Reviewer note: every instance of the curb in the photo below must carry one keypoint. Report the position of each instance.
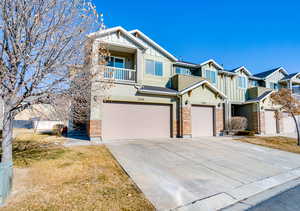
(236, 199)
(263, 196)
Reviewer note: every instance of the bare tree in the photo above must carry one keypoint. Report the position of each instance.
(39, 41)
(289, 104)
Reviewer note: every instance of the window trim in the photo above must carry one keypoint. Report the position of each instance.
(117, 57)
(274, 83)
(186, 68)
(155, 61)
(216, 76)
(256, 83)
(246, 82)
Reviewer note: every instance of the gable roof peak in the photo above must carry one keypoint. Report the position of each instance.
(242, 68)
(213, 62)
(153, 43)
(108, 31)
(268, 73)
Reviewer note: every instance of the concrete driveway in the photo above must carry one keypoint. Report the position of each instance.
(203, 173)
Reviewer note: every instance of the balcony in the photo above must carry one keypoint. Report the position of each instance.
(120, 74)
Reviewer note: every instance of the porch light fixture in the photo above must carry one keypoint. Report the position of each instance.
(186, 102)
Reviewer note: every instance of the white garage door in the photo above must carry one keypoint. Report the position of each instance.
(202, 121)
(289, 124)
(270, 122)
(132, 120)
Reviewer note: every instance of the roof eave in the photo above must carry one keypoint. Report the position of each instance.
(211, 61)
(199, 84)
(157, 92)
(170, 56)
(105, 32)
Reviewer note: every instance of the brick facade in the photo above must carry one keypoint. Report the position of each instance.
(186, 121)
(219, 118)
(175, 125)
(94, 129)
(259, 122)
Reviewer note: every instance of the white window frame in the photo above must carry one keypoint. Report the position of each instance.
(155, 61)
(216, 75)
(273, 83)
(246, 82)
(254, 81)
(186, 68)
(117, 57)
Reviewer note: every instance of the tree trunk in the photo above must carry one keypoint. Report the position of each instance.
(297, 128)
(7, 136)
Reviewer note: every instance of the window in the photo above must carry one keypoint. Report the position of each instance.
(211, 75)
(183, 71)
(254, 83)
(274, 86)
(154, 68)
(117, 62)
(242, 82)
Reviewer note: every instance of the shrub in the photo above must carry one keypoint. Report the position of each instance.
(59, 129)
(239, 123)
(245, 133)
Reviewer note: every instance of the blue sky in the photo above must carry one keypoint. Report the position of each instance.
(258, 34)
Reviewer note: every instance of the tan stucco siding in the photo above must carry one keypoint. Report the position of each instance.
(204, 95)
(180, 82)
(154, 54)
(267, 104)
(117, 39)
(274, 78)
(157, 80)
(127, 92)
(151, 51)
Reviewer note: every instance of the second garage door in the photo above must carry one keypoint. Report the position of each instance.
(133, 120)
(289, 124)
(202, 121)
(270, 122)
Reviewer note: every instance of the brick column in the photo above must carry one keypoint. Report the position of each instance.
(219, 120)
(94, 129)
(259, 122)
(262, 122)
(186, 121)
(175, 128)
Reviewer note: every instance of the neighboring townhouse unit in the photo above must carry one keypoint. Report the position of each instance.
(157, 96)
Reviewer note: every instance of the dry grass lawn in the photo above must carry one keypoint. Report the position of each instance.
(51, 177)
(276, 142)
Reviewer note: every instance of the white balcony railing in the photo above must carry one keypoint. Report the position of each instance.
(120, 74)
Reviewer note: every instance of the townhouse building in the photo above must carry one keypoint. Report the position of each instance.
(155, 95)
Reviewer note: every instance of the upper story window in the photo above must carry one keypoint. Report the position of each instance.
(254, 83)
(117, 62)
(154, 67)
(242, 82)
(274, 86)
(211, 75)
(183, 71)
